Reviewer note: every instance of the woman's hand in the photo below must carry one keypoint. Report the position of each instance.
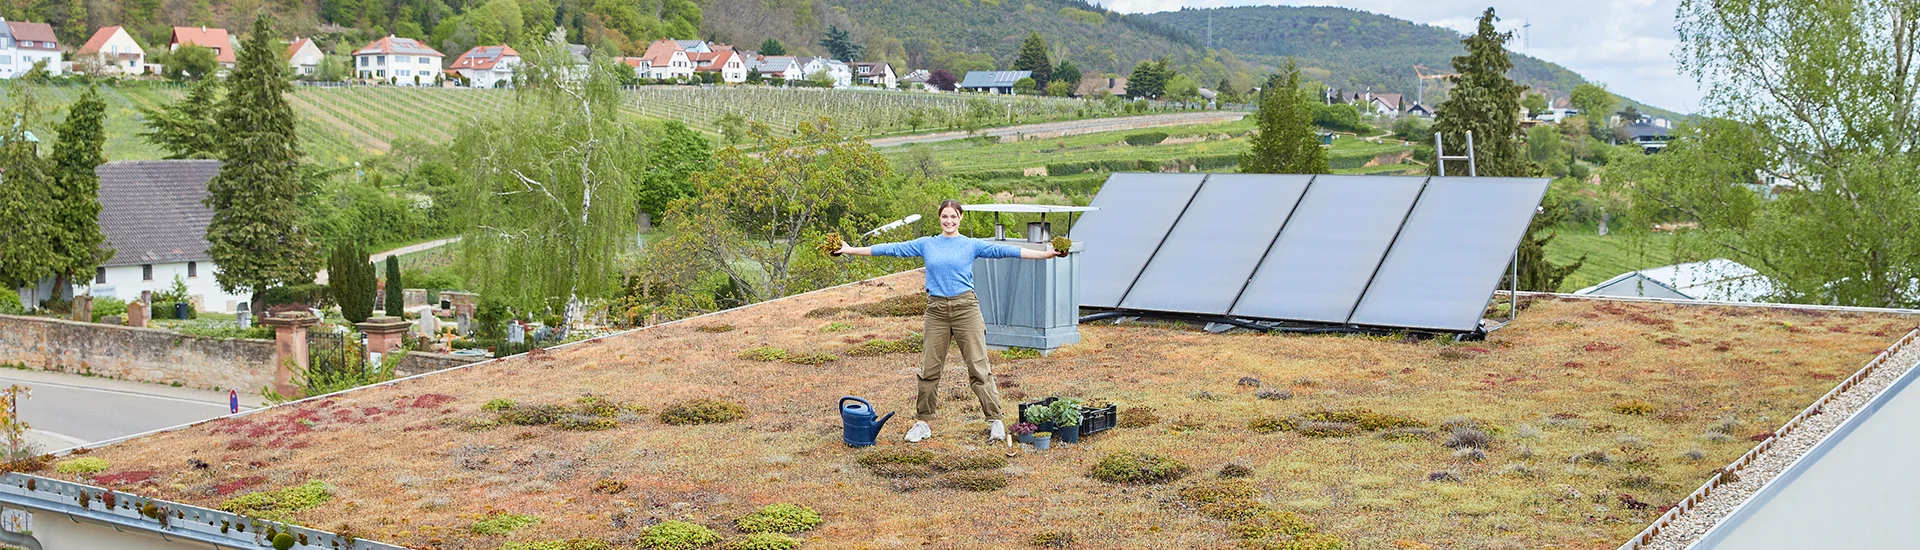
(843, 249)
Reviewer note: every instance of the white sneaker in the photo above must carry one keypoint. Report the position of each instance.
(996, 431)
(918, 432)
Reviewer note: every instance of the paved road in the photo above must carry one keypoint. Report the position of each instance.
(1076, 127)
(321, 277)
(69, 410)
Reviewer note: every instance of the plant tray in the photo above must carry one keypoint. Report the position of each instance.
(1092, 421)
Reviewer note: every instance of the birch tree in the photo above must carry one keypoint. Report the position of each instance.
(551, 182)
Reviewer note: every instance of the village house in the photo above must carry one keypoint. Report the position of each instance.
(24, 44)
(1111, 85)
(776, 67)
(873, 73)
(154, 217)
(215, 39)
(304, 56)
(664, 60)
(398, 61)
(723, 60)
(111, 51)
(837, 71)
(917, 81)
(487, 66)
(993, 82)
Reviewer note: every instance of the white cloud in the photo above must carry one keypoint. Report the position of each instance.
(1627, 44)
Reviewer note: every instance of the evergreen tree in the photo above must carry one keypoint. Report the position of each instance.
(351, 278)
(1066, 72)
(255, 235)
(188, 128)
(772, 47)
(1033, 57)
(1149, 78)
(396, 288)
(840, 45)
(1484, 101)
(27, 252)
(76, 192)
(1287, 142)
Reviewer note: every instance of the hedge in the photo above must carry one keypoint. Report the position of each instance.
(1146, 138)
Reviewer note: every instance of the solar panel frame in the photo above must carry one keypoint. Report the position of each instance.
(1211, 253)
(1457, 243)
(1342, 230)
(1136, 212)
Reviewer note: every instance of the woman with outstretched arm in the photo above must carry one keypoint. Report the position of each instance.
(953, 313)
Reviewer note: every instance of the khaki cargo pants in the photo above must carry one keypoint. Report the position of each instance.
(955, 320)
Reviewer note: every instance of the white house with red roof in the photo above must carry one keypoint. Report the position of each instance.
(723, 60)
(213, 38)
(304, 56)
(875, 73)
(111, 51)
(398, 61)
(24, 44)
(487, 66)
(665, 60)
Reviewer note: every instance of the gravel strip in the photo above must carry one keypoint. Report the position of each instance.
(1689, 527)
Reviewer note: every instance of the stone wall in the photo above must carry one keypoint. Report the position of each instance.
(138, 354)
(160, 356)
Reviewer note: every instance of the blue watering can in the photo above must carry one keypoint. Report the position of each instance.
(858, 420)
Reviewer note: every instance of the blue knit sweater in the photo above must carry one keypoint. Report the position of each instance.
(949, 260)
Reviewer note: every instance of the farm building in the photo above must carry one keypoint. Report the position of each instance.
(993, 82)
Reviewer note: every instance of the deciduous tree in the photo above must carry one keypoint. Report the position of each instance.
(1287, 142)
(672, 160)
(1595, 103)
(255, 235)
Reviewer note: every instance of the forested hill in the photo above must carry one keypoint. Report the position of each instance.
(1356, 49)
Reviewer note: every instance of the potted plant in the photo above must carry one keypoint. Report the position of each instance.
(1041, 417)
(1065, 413)
(1024, 431)
(1042, 440)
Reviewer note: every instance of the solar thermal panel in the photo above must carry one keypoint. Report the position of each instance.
(1208, 257)
(1318, 267)
(1136, 211)
(1451, 254)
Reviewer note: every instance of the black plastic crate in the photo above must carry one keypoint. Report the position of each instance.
(1092, 421)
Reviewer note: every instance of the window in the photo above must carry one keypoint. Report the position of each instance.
(6, 60)
(380, 59)
(193, 269)
(99, 275)
(146, 272)
(423, 60)
(403, 72)
(363, 61)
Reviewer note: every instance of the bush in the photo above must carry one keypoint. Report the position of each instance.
(104, 306)
(1146, 138)
(86, 465)
(702, 411)
(779, 518)
(318, 296)
(676, 535)
(10, 303)
(764, 354)
(498, 405)
(764, 541)
(1137, 468)
(532, 415)
(501, 524)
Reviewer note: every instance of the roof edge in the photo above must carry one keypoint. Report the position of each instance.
(183, 521)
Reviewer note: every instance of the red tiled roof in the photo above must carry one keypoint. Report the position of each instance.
(99, 39)
(294, 48)
(215, 38)
(41, 34)
(716, 60)
(396, 45)
(660, 52)
(483, 57)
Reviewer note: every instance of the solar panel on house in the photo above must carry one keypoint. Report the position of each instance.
(1135, 213)
(1211, 252)
(1320, 264)
(1449, 257)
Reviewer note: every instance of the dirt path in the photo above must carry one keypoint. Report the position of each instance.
(1075, 127)
(321, 277)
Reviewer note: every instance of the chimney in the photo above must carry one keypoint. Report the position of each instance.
(203, 28)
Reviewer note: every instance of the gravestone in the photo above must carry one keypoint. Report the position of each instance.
(137, 314)
(464, 323)
(82, 309)
(516, 334)
(429, 324)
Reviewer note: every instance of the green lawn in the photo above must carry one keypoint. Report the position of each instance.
(1607, 256)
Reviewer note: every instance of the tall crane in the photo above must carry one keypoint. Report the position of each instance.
(1421, 75)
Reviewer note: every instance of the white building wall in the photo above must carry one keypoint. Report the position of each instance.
(56, 532)
(124, 282)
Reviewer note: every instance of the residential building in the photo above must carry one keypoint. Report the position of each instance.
(731, 67)
(776, 67)
(215, 38)
(399, 61)
(487, 66)
(1555, 114)
(1112, 85)
(25, 44)
(111, 51)
(1379, 104)
(1717, 279)
(664, 60)
(304, 56)
(836, 70)
(873, 73)
(155, 220)
(917, 81)
(1419, 110)
(993, 82)
(1648, 136)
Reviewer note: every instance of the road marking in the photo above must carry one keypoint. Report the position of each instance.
(220, 404)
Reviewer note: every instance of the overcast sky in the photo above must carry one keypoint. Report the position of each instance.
(1627, 44)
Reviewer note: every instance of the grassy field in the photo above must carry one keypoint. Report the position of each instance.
(1607, 256)
(862, 112)
(1571, 428)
